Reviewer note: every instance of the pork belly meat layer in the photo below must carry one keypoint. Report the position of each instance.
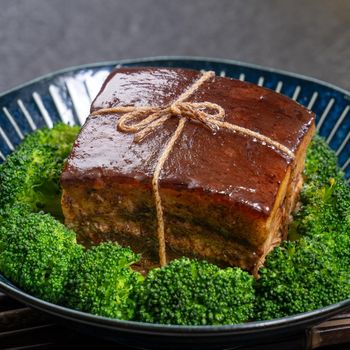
(226, 197)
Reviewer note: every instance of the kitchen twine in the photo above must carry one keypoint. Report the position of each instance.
(210, 115)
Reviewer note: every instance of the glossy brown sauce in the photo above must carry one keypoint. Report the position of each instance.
(236, 169)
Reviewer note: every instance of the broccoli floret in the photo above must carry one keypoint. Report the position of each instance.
(324, 209)
(325, 199)
(320, 163)
(192, 292)
(31, 174)
(104, 283)
(301, 276)
(313, 270)
(61, 137)
(36, 252)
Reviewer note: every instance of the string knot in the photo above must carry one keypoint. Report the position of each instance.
(135, 121)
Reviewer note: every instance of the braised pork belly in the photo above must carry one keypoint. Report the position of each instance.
(226, 196)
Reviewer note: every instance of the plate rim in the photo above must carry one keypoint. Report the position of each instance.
(138, 326)
(175, 58)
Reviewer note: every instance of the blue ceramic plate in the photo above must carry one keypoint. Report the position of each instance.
(66, 96)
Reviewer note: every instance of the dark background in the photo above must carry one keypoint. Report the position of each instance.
(310, 37)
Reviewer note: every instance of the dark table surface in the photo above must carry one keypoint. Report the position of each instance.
(309, 37)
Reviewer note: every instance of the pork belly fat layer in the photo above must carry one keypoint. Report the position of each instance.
(226, 197)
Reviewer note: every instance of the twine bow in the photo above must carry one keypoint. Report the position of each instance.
(141, 121)
(202, 112)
